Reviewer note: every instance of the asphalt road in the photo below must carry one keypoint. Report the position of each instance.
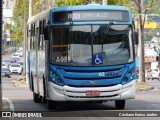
(22, 100)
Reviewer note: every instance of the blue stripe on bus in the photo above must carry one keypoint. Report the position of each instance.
(29, 78)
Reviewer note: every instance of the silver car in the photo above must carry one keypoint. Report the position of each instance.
(21, 63)
(15, 55)
(20, 53)
(6, 72)
(7, 62)
(153, 73)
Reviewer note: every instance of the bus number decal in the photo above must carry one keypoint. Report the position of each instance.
(62, 59)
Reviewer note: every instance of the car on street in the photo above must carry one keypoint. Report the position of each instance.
(14, 59)
(4, 65)
(20, 53)
(153, 73)
(6, 72)
(15, 55)
(7, 62)
(21, 63)
(16, 68)
(20, 49)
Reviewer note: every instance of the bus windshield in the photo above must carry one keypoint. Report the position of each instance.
(91, 45)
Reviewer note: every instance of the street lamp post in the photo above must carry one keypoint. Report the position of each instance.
(24, 40)
(105, 2)
(54, 3)
(30, 8)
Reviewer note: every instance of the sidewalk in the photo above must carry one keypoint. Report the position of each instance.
(5, 105)
(141, 86)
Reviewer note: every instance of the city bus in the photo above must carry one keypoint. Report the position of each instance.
(82, 54)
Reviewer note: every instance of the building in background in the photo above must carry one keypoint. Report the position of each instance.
(7, 42)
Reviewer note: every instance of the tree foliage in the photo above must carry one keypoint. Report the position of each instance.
(150, 35)
(18, 18)
(40, 5)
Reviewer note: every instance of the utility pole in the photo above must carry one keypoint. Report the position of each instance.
(140, 55)
(1, 8)
(30, 8)
(105, 2)
(141, 49)
(24, 40)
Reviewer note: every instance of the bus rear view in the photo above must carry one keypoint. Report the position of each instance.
(91, 55)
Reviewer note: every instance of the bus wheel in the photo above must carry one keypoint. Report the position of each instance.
(44, 100)
(37, 98)
(51, 105)
(120, 104)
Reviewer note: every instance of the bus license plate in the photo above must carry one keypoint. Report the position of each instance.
(92, 93)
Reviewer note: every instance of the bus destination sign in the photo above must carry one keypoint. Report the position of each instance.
(76, 16)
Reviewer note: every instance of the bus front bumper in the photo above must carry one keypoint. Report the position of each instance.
(67, 93)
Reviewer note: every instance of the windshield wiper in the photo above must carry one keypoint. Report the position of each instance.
(105, 34)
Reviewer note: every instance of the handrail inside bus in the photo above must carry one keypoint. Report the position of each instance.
(55, 46)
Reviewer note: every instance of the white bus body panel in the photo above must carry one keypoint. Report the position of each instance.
(66, 93)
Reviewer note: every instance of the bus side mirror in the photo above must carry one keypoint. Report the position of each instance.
(136, 38)
(46, 32)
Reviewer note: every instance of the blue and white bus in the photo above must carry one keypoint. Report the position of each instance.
(82, 53)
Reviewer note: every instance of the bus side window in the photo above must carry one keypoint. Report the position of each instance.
(34, 34)
(43, 41)
(27, 39)
(41, 33)
(31, 38)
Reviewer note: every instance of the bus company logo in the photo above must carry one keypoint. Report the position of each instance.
(92, 83)
(6, 114)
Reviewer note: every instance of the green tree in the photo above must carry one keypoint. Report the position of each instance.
(68, 2)
(41, 5)
(18, 18)
(150, 35)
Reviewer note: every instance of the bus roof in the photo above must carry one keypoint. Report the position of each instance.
(91, 7)
(39, 16)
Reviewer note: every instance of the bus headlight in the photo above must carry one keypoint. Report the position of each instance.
(59, 80)
(125, 79)
(52, 73)
(129, 76)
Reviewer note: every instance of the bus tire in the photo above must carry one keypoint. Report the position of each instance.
(44, 89)
(37, 98)
(120, 104)
(32, 82)
(51, 105)
(44, 100)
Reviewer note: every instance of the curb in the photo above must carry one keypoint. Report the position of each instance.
(145, 89)
(17, 83)
(7, 105)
